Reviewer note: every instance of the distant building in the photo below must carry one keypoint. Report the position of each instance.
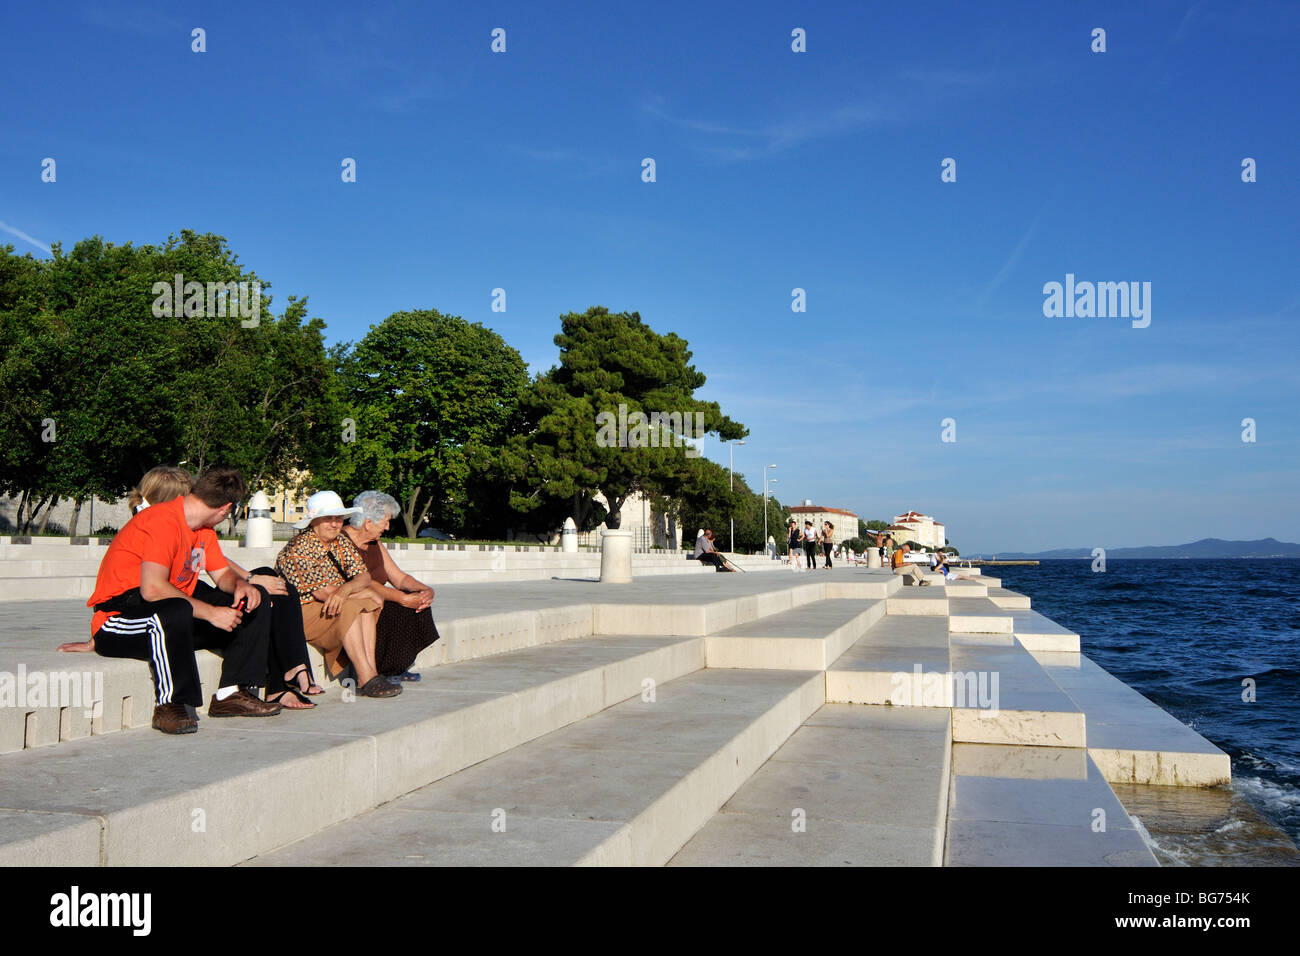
(845, 522)
(650, 527)
(914, 526)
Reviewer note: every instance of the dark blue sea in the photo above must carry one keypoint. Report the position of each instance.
(1186, 635)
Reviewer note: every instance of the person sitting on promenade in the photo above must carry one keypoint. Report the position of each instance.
(289, 676)
(405, 626)
(339, 612)
(711, 556)
(910, 573)
(794, 544)
(159, 485)
(701, 545)
(810, 544)
(149, 606)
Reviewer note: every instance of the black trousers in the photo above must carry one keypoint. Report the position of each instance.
(166, 634)
(287, 649)
(713, 558)
(810, 552)
(826, 549)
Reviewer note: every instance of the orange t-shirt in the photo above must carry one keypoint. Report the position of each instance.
(896, 560)
(158, 534)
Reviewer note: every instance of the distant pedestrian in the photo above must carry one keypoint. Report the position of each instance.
(828, 543)
(794, 544)
(810, 544)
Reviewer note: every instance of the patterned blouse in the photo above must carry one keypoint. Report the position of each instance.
(305, 562)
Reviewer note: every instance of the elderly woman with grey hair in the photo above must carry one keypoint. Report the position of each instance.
(405, 625)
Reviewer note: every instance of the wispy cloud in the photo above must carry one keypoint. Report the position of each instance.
(908, 96)
(24, 237)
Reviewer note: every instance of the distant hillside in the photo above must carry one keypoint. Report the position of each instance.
(1205, 548)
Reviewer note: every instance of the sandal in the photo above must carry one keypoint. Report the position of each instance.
(284, 700)
(314, 689)
(378, 686)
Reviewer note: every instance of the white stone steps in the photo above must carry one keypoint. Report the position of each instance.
(626, 787)
(977, 615)
(1009, 600)
(855, 786)
(243, 786)
(1002, 695)
(1131, 739)
(1039, 633)
(882, 667)
(931, 601)
(804, 638)
(1036, 806)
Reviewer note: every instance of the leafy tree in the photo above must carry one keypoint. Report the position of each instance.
(561, 459)
(428, 392)
(871, 526)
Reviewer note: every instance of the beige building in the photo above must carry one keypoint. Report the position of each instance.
(650, 528)
(845, 522)
(920, 528)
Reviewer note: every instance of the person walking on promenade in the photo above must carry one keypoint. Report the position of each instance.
(794, 545)
(810, 544)
(828, 543)
(146, 608)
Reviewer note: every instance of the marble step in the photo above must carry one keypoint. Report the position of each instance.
(1002, 695)
(1130, 738)
(626, 787)
(915, 600)
(1036, 806)
(1008, 600)
(1038, 633)
(854, 786)
(805, 638)
(976, 615)
(241, 786)
(892, 662)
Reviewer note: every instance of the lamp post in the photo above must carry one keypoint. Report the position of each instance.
(765, 468)
(731, 446)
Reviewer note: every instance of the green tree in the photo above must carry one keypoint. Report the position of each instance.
(427, 392)
(611, 365)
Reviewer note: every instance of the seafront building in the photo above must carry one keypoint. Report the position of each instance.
(920, 528)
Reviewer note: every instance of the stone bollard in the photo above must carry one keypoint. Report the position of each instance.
(771, 548)
(258, 532)
(569, 537)
(615, 556)
(873, 558)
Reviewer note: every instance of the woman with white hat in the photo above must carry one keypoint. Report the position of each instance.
(339, 612)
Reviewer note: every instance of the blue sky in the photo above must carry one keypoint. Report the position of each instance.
(775, 170)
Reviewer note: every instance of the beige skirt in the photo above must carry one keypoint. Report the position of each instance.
(326, 633)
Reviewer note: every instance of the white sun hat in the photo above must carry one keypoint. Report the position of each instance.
(324, 504)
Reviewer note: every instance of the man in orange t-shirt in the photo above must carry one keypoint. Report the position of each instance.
(145, 606)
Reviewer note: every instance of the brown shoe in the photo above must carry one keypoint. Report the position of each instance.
(174, 719)
(242, 704)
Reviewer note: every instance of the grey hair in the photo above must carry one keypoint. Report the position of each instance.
(375, 506)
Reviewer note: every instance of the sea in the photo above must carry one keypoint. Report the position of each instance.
(1216, 643)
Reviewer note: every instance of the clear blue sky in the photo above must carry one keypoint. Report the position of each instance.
(775, 170)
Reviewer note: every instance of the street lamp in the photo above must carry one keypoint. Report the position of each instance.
(765, 468)
(731, 446)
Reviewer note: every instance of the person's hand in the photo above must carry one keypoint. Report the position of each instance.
(250, 595)
(334, 603)
(273, 583)
(426, 598)
(225, 618)
(78, 647)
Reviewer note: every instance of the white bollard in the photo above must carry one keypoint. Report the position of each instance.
(258, 532)
(615, 556)
(569, 537)
(873, 558)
